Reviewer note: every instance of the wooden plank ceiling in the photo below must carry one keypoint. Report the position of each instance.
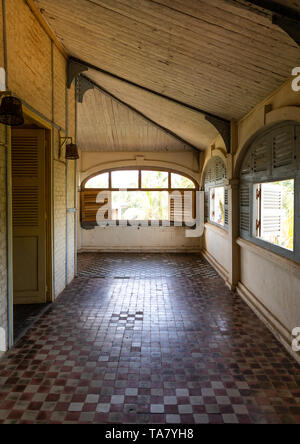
(211, 54)
(106, 125)
(123, 129)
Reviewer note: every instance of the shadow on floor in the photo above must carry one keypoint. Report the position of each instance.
(25, 315)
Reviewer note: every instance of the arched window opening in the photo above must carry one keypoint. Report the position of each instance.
(269, 178)
(100, 181)
(138, 195)
(216, 192)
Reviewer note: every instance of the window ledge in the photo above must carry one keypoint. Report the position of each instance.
(284, 263)
(217, 228)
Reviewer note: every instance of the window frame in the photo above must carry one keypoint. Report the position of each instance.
(169, 189)
(140, 188)
(257, 214)
(213, 179)
(210, 198)
(281, 251)
(270, 174)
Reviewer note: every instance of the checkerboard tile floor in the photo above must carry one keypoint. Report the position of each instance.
(150, 341)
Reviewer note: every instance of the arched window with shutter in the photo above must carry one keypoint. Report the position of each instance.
(216, 192)
(269, 190)
(150, 195)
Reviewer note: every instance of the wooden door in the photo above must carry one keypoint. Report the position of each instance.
(29, 216)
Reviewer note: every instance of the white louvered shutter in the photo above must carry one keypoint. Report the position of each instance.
(245, 208)
(283, 148)
(260, 157)
(226, 208)
(181, 206)
(271, 209)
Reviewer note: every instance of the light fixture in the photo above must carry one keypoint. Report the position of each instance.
(71, 148)
(11, 112)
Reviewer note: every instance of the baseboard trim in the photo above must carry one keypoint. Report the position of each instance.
(217, 266)
(139, 250)
(277, 328)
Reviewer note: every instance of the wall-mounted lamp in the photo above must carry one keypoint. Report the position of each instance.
(11, 112)
(71, 148)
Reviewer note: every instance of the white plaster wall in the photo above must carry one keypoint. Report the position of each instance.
(275, 283)
(91, 162)
(138, 239)
(216, 244)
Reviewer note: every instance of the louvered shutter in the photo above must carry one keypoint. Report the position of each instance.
(188, 206)
(260, 157)
(220, 171)
(283, 149)
(207, 181)
(89, 206)
(28, 215)
(246, 166)
(176, 207)
(208, 176)
(215, 177)
(271, 206)
(25, 183)
(182, 206)
(245, 209)
(271, 158)
(206, 205)
(226, 209)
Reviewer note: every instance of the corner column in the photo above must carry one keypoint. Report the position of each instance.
(233, 231)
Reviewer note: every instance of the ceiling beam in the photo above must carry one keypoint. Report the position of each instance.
(144, 88)
(82, 87)
(223, 126)
(76, 67)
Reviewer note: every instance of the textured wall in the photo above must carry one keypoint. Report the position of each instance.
(60, 212)
(60, 226)
(3, 237)
(71, 219)
(29, 57)
(71, 246)
(36, 72)
(59, 85)
(171, 239)
(64, 232)
(3, 246)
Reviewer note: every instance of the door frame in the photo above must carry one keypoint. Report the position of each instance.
(49, 182)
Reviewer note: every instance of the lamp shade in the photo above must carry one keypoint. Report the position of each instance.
(72, 151)
(11, 111)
